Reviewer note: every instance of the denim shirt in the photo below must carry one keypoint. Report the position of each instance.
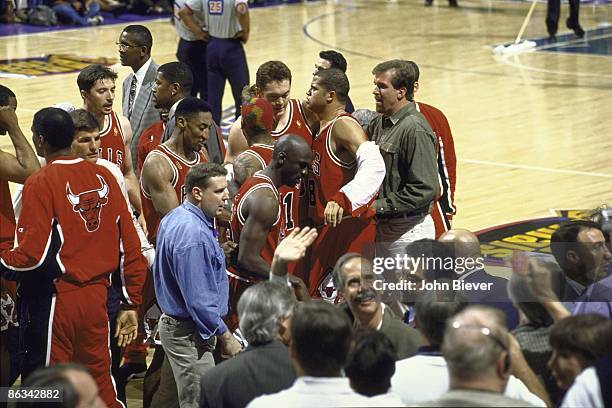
(189, 270)
(409, 149)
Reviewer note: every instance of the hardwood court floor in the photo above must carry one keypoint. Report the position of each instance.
(532, 132)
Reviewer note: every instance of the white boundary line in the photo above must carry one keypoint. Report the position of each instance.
(536, 168)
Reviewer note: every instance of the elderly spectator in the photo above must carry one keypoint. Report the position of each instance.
(478, 352)
(264, 311)
(371, 365)
(320, 343)
(353, 277)
(578, 342)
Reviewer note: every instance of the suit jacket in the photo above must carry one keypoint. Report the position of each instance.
(405, 339)
(144, 113)
(258, 370)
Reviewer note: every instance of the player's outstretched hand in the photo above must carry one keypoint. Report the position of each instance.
(333, 214)
(127, 327)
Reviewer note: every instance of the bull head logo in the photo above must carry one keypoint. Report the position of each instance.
(89, 204)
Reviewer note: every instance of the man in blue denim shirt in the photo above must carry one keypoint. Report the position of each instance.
(191, 282)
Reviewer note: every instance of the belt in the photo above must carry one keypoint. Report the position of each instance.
(179, 319)
(391, 216)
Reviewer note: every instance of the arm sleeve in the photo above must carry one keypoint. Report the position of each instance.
(357, 195)
(516, 389)
(194, 275)
(36, 232)
(418, 165)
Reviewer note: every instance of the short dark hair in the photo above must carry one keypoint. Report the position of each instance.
(191, 106)
(5, 94)
(142, 35)
(84, 121)
(336, 60)
(566, 237)
(200, 175)
(402, 75)
(371, 363)
(272, 71)
(415, 67)
(333, 79)
(54, 377)
(435, 253)
(320, 338)
(92, 74)
(56, 127)
(587, 335)
(177, 72)
(433, 309)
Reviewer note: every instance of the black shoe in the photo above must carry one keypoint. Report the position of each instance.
(552, 38)
(575, 26)
(428, 3)
(452, 3)
(132, 370)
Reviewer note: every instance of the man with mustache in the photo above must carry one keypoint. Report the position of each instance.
(354, 279)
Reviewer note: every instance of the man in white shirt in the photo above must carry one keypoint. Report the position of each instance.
(321, 338)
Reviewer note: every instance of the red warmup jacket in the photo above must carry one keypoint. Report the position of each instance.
(75, 227)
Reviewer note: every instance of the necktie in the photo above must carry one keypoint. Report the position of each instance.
(132, 95)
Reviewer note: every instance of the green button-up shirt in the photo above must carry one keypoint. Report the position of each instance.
(408, 147)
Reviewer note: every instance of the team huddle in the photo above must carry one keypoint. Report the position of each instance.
(142, 221)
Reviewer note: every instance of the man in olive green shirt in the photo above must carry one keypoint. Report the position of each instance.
(408, 146)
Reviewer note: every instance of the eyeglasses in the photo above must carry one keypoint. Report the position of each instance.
(124, 46)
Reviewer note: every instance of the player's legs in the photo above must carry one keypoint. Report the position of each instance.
(552, 16)
(237, 71)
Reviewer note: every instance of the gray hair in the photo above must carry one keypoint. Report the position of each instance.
(337, 276)
(473, 341)
(259, 309)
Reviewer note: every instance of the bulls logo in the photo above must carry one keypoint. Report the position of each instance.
(326, 288)
(89, 204)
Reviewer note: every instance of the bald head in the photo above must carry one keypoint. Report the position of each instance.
(292, 156)
(465, 243)
(291, 145)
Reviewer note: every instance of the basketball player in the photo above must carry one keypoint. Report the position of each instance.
(165, 168)
(444, 206)
(346, 173)
(15, 169)
(97, 87)
(75, 230)
(151, 138)
(257, 216)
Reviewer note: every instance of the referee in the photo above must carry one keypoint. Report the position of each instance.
(228, 27)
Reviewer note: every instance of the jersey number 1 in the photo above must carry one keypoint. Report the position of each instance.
(288, 203)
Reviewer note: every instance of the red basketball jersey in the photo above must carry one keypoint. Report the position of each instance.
(260, 152)
(296, 124)
(112, 140)
(180, 167)
(444, 207)
(149, 139)
(328, 172)
(258, 181)
(8, 314)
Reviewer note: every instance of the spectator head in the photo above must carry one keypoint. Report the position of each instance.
(257, 118)
(433, 260)
(173, 82)
(432, 311)
(97, 86)
(77, 386)
(86, 136)
(354, 278)
(476, 349)
(273, 83)
(577, 342)
(193, 122)
(135, 43)
(329, 88)
(393, 86)
(52, 130)
(527, 303)
(291, 157)
(207, 188)
(371, 363)
(320, 339)
(330, 59)
(264, 312)
(7, 98)
(581, 251)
